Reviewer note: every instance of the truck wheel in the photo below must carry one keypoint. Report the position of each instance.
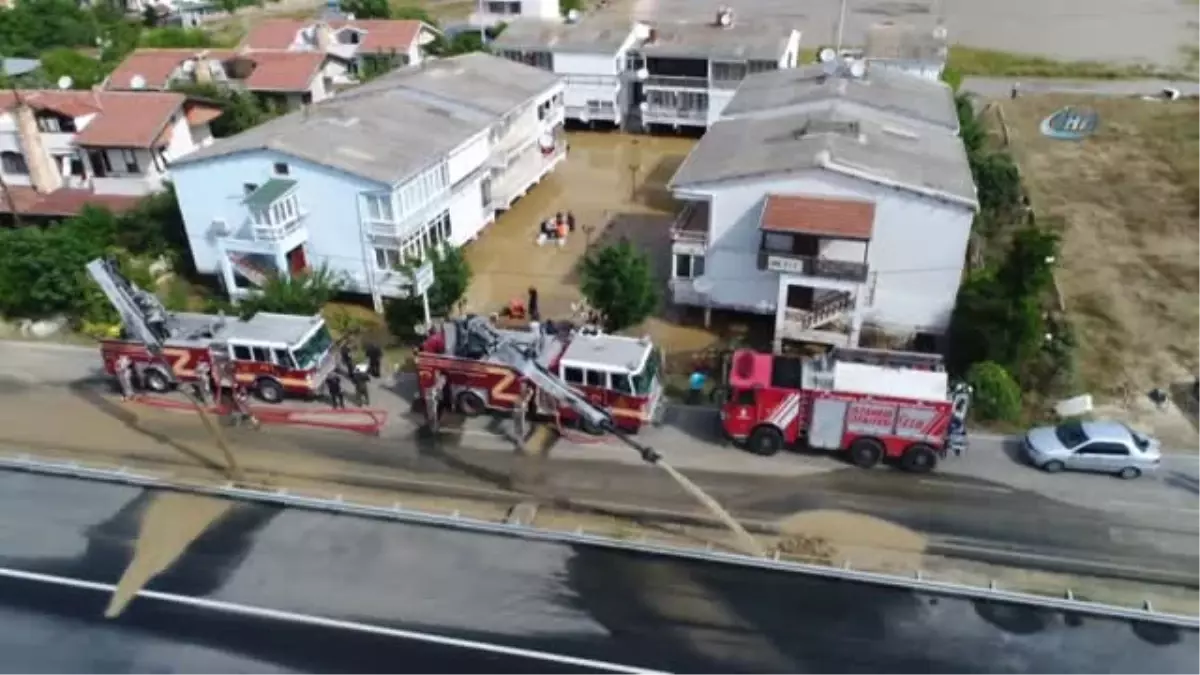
(469, 403)
(866, 452)
(156, 380)
(919, 458)
(765, 441)
(269, 391)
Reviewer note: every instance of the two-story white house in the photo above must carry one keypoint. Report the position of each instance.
(61, 150)
(687, 72)
(589, 55)
(391, 42)
(419, 158)
(286, 78)
(826, 217)
(492, 12)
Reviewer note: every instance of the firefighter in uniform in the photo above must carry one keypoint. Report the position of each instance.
(124, 368)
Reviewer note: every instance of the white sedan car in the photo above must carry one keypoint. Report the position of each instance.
(1101, 446)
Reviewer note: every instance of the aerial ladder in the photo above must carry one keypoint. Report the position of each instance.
(145, 320)
(523, 358)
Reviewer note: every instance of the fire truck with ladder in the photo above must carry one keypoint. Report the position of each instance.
(274, 355)
(871, 404)
(602, 382)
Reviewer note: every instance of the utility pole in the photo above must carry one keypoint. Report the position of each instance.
(841, 28)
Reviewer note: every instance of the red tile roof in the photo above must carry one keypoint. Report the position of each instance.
(120, 119)
(382, 35)
(844, 218)
(274, 70)
(62, 202)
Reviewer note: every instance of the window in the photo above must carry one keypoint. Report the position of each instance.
(1105, 449)
(242, 353)
(1071, 434)
(53, 124)
(262, 354)
(764, 66)
(14, 163)
(248, 188)
(744, 397)
(281, 169)
(573, 375)
(773, 241)
(387, 258)
(728, 72)
(379, 207)
(284, 359)
(130, 160)
(622, 383)
(597, 378)
(443, 226)
(688, 266)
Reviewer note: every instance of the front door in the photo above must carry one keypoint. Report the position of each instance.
(297, 261)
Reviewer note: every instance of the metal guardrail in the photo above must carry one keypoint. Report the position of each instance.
(287, 498)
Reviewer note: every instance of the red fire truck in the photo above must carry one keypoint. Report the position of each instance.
(600, 381)
(872, 404)
(275, 355)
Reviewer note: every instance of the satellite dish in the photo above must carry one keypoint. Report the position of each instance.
(643, 74)
(940, 32)
(858, 69)
(641, 31)
(65, 82)
(137, 82)
(827, 55)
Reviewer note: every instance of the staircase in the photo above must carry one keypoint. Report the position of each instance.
(246, 267)
(824, 312)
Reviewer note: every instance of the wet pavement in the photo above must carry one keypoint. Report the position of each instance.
(588, 602)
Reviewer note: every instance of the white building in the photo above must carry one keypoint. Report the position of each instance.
(492, 12)
(827, 215)
(589, 55)
(907, 48)
(416, 159)
(61, 150)
(687, 72)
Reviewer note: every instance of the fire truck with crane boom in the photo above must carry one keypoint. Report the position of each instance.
(273, 355)
(473, 365)
(872, 404)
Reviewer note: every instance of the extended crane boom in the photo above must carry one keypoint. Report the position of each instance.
(142, 315)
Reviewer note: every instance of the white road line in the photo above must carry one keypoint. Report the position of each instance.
(951, 485)
(293, 617)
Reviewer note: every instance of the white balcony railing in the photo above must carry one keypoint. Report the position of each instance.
(676, 82)
(281, 231)
(664, 113)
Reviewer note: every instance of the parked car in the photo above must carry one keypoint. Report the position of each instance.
(1100, 446)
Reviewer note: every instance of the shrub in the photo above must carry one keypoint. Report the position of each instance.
(997, 395)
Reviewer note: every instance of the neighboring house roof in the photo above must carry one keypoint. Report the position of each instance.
(119, 119)
(274, 70)
(396, 125)
(62, 202)
(823, 217)
(905, 42)
(705, 39)
(382, 35)
(776, 91)
(860, 144)
(486, 83)
(593, 35)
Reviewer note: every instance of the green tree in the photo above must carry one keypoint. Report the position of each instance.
(367, 9)
(1027, 270)
(996, 397)
(998, 181)
(84, 71)
(240, 110)
(304, 293)
(619, 282)
(451, 279)
(970, 129)
(414, 13)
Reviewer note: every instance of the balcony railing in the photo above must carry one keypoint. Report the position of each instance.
(676, 82)
(813, 266)
(662, 112)
(274, 233)
(691, 225)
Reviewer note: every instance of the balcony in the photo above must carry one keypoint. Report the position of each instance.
(522, 173)
(676, 82)
(275, 213)
(812, 266)
(669, 114)
(691, 225)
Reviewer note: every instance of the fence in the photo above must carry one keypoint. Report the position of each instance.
(918, 581)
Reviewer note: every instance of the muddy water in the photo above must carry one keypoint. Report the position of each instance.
(869, 541)
(169, 525)
(606, 177)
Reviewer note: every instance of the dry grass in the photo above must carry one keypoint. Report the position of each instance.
(995, 63)
(1127, 202)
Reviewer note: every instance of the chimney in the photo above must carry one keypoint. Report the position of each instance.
(323, 35)
(43, 174)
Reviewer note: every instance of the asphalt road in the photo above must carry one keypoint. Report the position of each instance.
(985, 507)
(571, 601)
